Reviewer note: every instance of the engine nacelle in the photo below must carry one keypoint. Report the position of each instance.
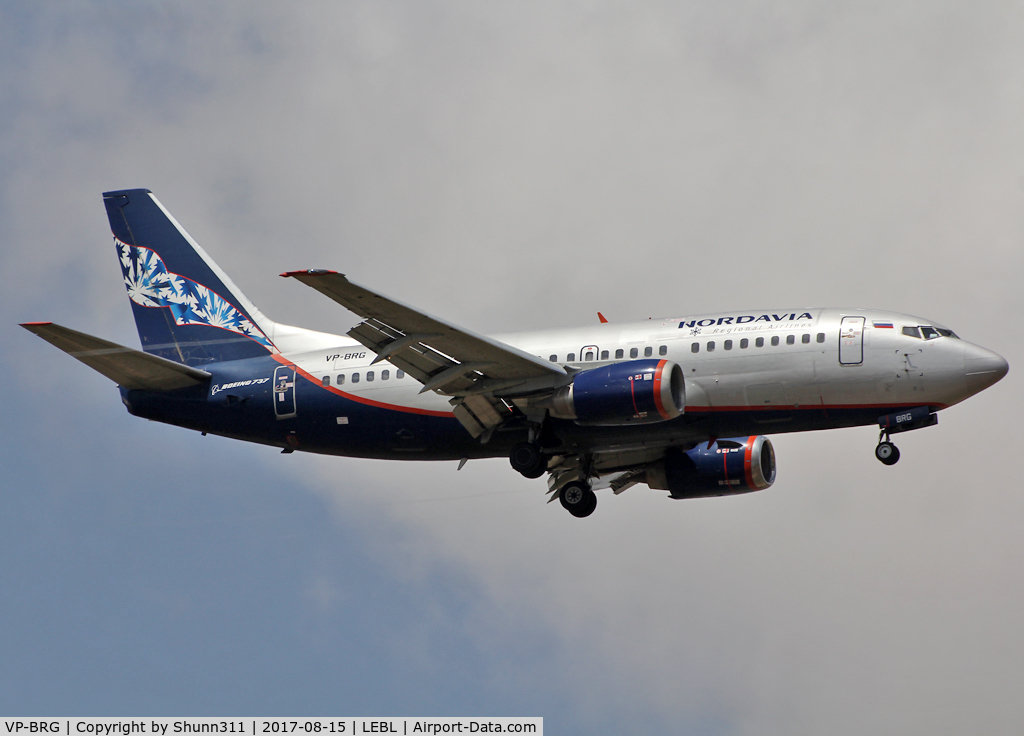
(726, 467)
(633, 392)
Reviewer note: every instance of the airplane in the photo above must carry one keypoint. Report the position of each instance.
(680, 404)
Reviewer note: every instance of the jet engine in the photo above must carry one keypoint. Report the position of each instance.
(721, 468)
(633, 392)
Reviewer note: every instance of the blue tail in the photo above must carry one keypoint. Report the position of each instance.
(186, 308)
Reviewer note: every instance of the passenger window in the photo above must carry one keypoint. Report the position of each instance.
(399, 374)
(589, 355)
(355, 378)
(570, 357)
(619, 353)
(775, 340)
(326, 381)
(805, 338)
(744, 343)
(648, 351)
(369, 375)
(929, 333)
(790, 339)
(604, 355)
(711, 346)
(633, 352)
(553, 358)
(385, 375)
(821, 337)
(728, 345)
(759, 342)
(695, 347)
(663, 350)
(341, 379)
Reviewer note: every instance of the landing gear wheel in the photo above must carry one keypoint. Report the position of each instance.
(526, 458)
(578, 499)
(591, 504)
(887, 453)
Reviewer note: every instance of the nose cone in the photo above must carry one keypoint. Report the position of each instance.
(982, 368)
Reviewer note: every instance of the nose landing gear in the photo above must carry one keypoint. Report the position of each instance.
(886, 452)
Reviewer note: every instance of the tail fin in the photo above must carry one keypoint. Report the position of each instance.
(186, 308)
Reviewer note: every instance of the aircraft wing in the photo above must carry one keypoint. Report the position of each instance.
(475, 370)
(130, 368)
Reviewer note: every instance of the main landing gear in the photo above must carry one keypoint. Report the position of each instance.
(886, 452)
(578, 499)
(526, 458)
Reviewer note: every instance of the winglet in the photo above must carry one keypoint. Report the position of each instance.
(307, 272)
(601, 317)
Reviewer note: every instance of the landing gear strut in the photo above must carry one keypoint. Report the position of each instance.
(578, 499)
(886, 452)
(526, 458)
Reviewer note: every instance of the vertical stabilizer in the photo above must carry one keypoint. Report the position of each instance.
(186, 308)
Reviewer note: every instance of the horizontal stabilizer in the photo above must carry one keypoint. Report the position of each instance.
(130, 368)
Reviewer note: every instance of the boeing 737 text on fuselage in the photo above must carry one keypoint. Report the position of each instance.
(679, 404)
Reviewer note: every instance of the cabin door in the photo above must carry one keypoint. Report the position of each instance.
(851, 341)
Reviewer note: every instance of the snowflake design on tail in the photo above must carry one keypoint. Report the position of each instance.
(150, 284)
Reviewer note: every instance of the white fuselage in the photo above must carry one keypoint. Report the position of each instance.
(749, 360)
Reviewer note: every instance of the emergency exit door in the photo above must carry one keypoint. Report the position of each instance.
(851, 341)
(284, 392)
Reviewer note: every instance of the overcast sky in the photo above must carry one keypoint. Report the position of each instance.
(515, 166)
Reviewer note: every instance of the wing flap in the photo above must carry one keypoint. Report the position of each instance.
(404, 351)
(130, 368)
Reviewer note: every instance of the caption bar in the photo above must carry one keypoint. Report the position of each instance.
(265, 726)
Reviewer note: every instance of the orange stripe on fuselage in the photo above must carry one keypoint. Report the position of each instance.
(810, 407)
(360, 399)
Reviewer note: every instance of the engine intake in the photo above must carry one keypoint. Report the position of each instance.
(633, 392)
(726, 467)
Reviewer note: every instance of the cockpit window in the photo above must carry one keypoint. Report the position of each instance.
(928, 332)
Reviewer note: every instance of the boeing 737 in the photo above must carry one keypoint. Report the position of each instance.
(680, 404)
